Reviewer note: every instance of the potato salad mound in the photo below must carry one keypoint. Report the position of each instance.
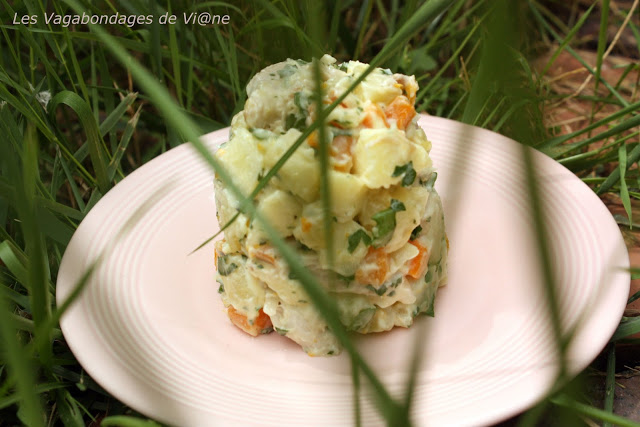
(389, 242)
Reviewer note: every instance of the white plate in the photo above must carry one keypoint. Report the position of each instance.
(151, 329)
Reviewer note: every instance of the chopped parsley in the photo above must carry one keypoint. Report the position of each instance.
(428, 276)
(386, 219)
(301, 101)
(408, 171)
(347, 279)
(295, 121)
(221, 289)
(416, 232)
(281, 331)
(225, 267)
(431, 181)
(287, 70)
(379, 291)
(357, 237)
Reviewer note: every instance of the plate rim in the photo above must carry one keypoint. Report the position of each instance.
(62, 286)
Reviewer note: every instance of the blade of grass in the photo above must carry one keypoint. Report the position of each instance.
(355, 381)
(628, 326)
(21, 370)
(602, 40)
(127, 421)
(624, 191)
(323, 153)
(34, 247)
(573, 53)
(565, 42)
(124, 143)
(628, 124)
(616, 173)
(610, 382)
(593, 413)
(94, 139)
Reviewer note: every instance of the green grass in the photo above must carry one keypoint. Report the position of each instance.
(120, 96)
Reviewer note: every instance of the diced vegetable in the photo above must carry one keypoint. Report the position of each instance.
(408, 171)
(224, 266)
(386, 219)
(356, 238)
(260, 325)
(341, 158)
(263, 253)
(374, 268)
(419, 263)
(401, 111)
(374, 116)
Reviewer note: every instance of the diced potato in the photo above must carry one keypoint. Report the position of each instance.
(241, 289)
(415, 202)
(238, 230)
(301, 173)
(347, 195)
(281, 209)
(309, 230)
(379, 151)
(234, 155)
(345, 262)
(379, 88)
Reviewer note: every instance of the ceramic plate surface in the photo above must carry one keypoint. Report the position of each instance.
(151, 329)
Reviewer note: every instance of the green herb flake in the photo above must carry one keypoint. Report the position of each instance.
(221, 289)
(428, 276)
(397, 205)
(343, 67)
(416, 232)
(347, 279)
(224, 266)
(357, 237)
(386, 219)
(281, 331)
(431, 181)
(287, 71)
(408, 171)
(379, 291)
(300, 100)
(294, 121)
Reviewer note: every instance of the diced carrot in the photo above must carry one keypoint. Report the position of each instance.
(312, 140)
(374, 117)
(261, 323)
(262, 253)
(374, 268)
(401, 111)
(419, 263)
(408, 86)
(217, 253)
(341, 153)
(305, 225)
